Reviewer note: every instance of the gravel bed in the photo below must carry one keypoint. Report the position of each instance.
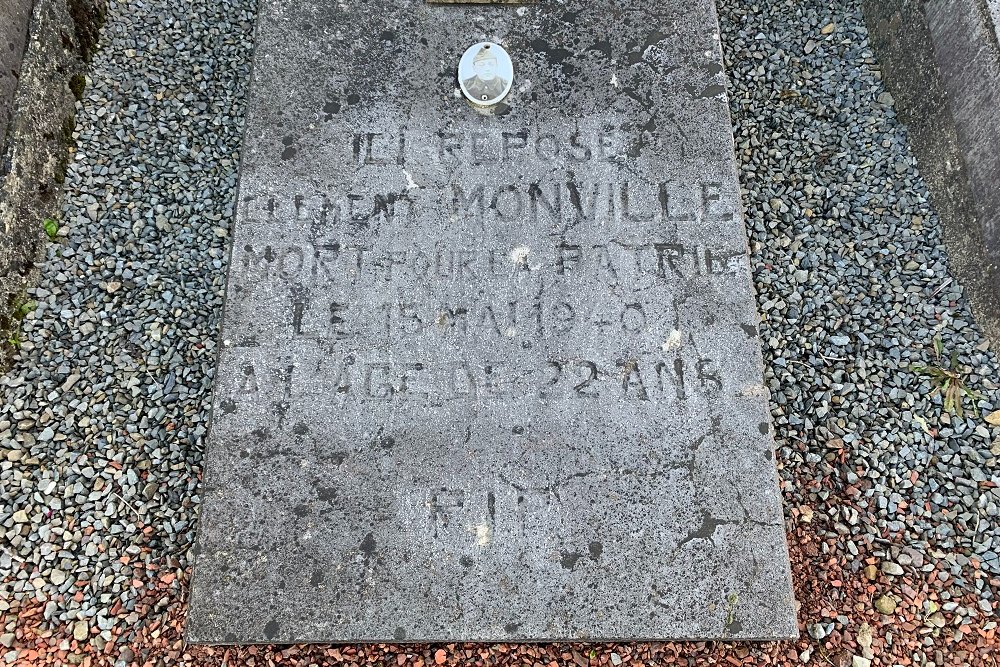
(853, 288)
(104, 415)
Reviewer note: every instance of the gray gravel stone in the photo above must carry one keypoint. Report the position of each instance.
(892, 568)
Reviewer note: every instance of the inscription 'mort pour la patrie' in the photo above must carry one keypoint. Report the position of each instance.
(489, 375)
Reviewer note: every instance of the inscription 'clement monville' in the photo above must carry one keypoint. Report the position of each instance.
(489, 375)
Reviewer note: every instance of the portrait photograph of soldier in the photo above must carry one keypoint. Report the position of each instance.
(485, 73)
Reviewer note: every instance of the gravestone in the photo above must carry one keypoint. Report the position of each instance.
(489, 374)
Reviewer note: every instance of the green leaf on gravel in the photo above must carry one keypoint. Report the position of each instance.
(25, 309)
(51, 228)
(938, 346)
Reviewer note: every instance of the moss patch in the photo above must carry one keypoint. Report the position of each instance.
(77, 83)
(68, 127)
(87, 20)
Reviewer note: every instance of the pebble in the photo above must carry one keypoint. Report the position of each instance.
(885, 605)
(817, 631)
(70, 382)
(891, 568)
(865, 636)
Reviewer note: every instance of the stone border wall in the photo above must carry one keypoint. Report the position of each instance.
(941, 61)
(62, 37)
(15, 16)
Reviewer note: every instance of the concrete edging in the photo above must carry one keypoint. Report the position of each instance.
(62, 37)
(941, 61)
(15, 16)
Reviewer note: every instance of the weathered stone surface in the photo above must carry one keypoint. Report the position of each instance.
(941, 60)
(40, 130)
(14, 16)
(489, 376)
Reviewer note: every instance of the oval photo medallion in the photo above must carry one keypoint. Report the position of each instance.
(485, 73)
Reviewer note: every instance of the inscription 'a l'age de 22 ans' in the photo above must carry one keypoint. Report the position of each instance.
(646, 379)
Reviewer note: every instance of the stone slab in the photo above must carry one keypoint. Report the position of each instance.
(489, 375)
(14, 18)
